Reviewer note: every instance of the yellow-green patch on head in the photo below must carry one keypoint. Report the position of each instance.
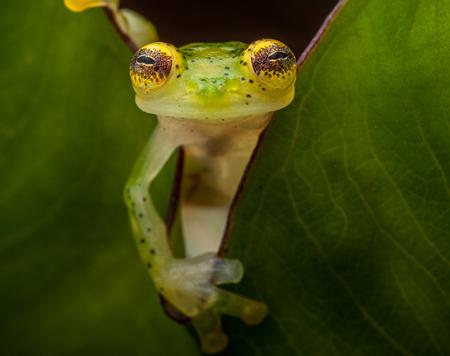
(210, 81)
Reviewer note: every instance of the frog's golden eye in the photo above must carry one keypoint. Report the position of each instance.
(273, 63)
(151, 66)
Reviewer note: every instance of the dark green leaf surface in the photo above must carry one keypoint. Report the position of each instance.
(71, 280)
(344, 222)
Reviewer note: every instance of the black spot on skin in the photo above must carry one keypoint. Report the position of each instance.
(242, 78)
(149, 265)
(226, 68)
(152, 251)
(179, 75)
(248, 96)
(177, 66)
(142, 241)
(149, 229)
(250, 80)
(141, 215)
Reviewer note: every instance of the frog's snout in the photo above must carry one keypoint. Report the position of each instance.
(211, 87)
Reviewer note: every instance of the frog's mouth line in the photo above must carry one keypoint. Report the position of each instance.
(230, 110)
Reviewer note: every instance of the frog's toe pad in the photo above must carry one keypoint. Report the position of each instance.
(214, 342)
(208, 322)
(227, 271)
(248, 310)
(209, 330)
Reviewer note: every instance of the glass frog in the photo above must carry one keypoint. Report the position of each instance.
(213, 100)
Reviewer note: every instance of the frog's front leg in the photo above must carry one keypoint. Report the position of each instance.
(188, 284)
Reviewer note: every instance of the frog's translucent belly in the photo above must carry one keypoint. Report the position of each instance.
(212, 172)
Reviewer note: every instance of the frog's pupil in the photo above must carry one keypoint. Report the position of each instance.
(145, 60)
(278, 55)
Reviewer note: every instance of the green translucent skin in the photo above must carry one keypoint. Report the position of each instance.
(213, 81)
(213, 100)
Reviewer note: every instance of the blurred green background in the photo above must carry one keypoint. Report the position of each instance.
(71, 280)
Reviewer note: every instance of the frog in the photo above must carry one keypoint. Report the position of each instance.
(213, 100)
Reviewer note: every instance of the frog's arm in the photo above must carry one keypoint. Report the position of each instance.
(133, 27)
(189, 284)
(148, 227)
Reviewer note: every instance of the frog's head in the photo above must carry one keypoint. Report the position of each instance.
(213, 80)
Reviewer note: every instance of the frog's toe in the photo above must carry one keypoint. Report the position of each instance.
(226, 271)
(208, 322)
(248, 310)
(209, 329)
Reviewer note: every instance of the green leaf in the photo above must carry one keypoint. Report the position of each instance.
(72, 282)
(344, 221)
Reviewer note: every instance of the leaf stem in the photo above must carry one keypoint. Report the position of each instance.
(318, 36)
(111, 15)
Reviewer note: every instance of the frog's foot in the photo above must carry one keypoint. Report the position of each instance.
(190, 285)
(208, 323)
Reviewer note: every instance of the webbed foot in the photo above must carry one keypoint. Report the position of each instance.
(190, 285)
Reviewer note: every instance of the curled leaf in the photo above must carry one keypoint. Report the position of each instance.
(82, 5)
(134, 28)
